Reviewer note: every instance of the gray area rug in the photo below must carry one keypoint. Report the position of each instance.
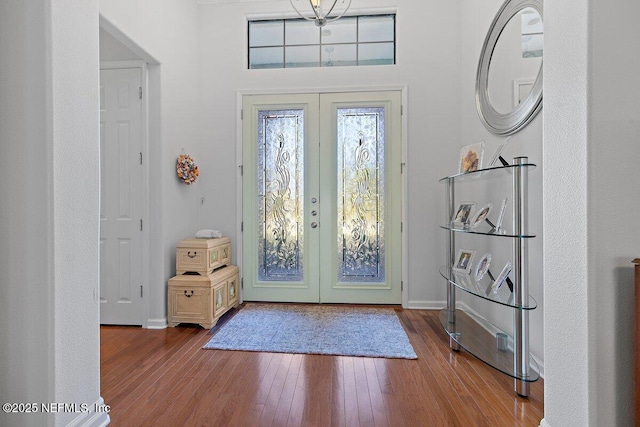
(315, 329)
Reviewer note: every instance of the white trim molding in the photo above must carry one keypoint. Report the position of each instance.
(157, 323)
(97, 415)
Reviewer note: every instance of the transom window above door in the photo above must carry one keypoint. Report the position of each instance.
(296, 43)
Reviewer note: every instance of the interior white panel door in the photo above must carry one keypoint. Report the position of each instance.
(121, 196)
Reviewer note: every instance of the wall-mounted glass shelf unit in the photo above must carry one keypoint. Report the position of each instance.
(508, 354)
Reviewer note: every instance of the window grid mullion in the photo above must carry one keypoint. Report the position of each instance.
(321, 43)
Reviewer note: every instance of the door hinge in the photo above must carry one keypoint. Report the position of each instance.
(241, 170)
(402, 166)
(401, 286)
(140, 291)
(241, 226)
(140, 224)
(241, 114)
(141, 157)
(401, 110)
(401, 227)
(140, 92)
(242, 283)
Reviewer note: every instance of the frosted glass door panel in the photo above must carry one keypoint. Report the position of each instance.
(281, 195)
(360, 142)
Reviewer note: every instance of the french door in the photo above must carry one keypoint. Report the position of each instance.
(322, 198)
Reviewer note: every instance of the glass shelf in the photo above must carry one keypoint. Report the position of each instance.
(486, 230)
(482, 289)
(478, 337)
(492, 172)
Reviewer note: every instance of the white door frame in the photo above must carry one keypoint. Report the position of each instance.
(239, 197)
(144, 135)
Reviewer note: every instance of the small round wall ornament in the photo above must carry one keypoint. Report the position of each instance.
(187, 169)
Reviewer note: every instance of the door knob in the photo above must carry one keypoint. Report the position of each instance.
(314, 224)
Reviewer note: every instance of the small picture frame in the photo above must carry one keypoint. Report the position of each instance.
(482, 267)
(498, 153)
(471, 157)
(464, 261)
(481, 215)
(463, 280)
(498, 224)
(462, 213)
(495, 287)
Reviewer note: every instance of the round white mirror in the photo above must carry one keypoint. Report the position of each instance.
(509, 78)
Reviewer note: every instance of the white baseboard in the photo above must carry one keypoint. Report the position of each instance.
(543, 423)
(96, 416)
(157, 323)
(426, 305)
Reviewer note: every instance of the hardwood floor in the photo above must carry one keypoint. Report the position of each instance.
(165, 378)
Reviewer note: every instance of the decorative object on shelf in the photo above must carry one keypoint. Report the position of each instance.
(320, 11)
(497, 156)
(463, 213)
(471, 157)
(187, 169)
(464, 261)
(482, 267)
(496, 118)
(495, 287)
(498, 224)
(481, 215)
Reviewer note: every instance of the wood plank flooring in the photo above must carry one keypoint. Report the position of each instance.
(165, 378)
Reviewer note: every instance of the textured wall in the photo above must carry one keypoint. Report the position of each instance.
(49, 228)
(591, 149)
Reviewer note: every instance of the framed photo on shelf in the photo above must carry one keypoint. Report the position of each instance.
(481, 215)
(482, 267)
(501, 277)
(498, 153)
(498, 224)
(471, 157)
(464, 261)
(463, 212)
(463, 280)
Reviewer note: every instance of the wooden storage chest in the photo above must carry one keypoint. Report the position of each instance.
(202, 299)
(202, 256)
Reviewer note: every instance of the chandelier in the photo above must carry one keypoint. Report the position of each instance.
(321, 11)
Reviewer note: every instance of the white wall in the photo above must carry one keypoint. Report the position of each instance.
(111, 49)
(591, 148)
(49, 228)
